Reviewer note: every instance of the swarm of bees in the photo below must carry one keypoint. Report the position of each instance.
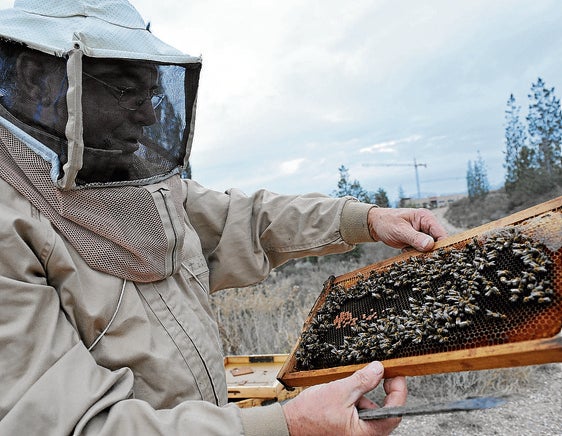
(447, 300)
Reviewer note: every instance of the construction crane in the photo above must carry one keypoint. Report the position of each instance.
(415, 165)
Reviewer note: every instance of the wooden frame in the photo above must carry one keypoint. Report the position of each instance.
(498, 356)
(522, 353)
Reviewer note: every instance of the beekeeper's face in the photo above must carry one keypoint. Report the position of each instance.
(117, 102)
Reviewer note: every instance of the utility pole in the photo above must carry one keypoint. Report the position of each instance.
(415, 165)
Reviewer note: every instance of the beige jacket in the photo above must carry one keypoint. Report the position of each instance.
(158, 369)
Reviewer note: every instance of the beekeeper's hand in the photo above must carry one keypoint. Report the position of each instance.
(332, 408)
(401, 228)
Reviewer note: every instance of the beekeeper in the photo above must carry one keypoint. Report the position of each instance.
(109, 256)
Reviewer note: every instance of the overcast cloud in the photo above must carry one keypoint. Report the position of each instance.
(290, 90)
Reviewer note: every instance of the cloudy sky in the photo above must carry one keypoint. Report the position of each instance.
(290, 90)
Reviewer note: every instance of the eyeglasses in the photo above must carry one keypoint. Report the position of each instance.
(131, 99)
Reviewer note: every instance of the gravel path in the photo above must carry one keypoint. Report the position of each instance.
(534, 409)
(451, 229)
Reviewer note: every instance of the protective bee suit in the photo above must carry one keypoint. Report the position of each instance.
(108, 255)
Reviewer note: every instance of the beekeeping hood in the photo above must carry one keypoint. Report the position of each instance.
(80, 139)
(104, 46)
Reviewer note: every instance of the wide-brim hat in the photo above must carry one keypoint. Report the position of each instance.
(102, 29)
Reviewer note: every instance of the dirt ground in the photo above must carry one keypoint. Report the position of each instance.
(534, 409)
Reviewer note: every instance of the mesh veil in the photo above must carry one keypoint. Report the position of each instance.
(110, 122)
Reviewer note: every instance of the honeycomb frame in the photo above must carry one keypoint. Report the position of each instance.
(518, 305)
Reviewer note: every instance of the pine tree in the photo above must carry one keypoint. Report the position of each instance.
(354, 189)
(470, 184)
(477, 179)
(344, 186)
(545, 128)
(381, 199)
(481, 175)
(515, 139)
(528, 176)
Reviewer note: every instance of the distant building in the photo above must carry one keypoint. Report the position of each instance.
(433, 201)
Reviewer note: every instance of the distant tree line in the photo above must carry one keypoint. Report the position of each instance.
(477, 183)
(533, 155)
(533, 158)
(346, 187)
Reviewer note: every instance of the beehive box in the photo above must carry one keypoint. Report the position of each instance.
(252, 379)
(490, 297)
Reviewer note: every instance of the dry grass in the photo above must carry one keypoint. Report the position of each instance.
(451, 386)
(262, 319)
(268, 317)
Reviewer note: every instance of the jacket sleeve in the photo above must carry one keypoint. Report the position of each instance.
(50, 383)
(244, 237)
